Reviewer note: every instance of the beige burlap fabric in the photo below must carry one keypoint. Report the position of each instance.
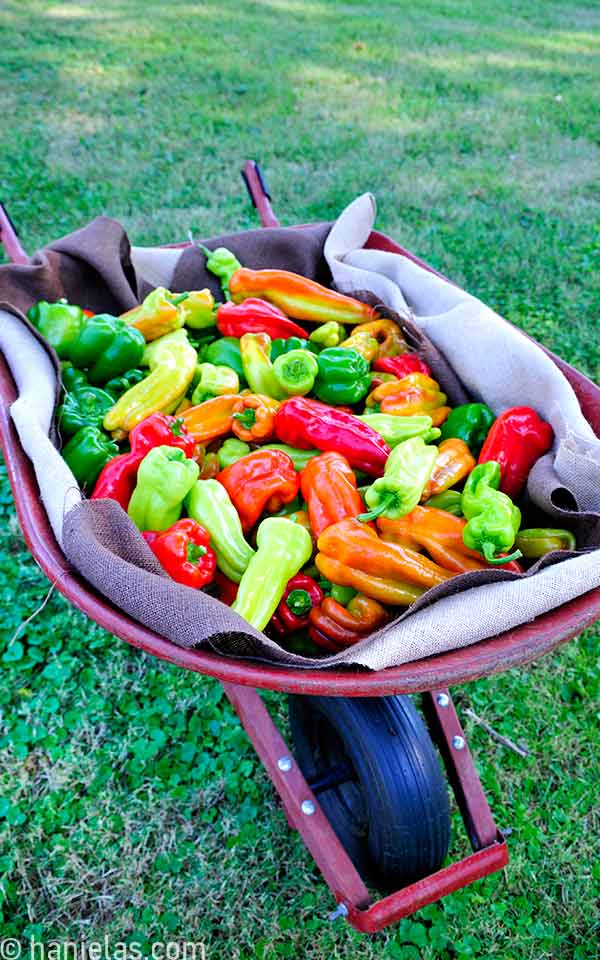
(101, 542)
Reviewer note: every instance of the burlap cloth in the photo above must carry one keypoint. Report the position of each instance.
(97, 268)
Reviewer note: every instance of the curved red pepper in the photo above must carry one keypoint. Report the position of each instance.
(308, 423)
(300, 596)
(185, 553)
(401, 366)
(118, 477)
(226, 588)
(517, 438)
(256, 316)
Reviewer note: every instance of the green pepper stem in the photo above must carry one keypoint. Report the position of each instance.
(194, 551)
(247, 417)
(489, 549)
(179, 298)
(378, 510)
(299, 602)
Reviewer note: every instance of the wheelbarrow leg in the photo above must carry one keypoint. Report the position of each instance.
(9, 239)
(301, 807)
(259, 193)
(304, 813)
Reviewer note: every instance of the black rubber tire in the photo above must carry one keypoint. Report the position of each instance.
(393, 819)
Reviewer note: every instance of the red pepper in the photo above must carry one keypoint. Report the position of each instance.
(301, 594)
(401, 366)
(118, 477)
(185, 553)
(226, 588)
(517, 438)
(256, 316)
(262, 480)
(307, 424)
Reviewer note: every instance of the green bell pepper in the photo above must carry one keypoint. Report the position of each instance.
(395, 429)
(449, 500)
(119, 385)
(107, 347)
(399, 490)
(329, 334)
(201, 339)
(208, 503)
(60, 323)
(343, 595)
(493, 519)
(280, 346)
(214, 381)
(71, 378)
(225, 352)
(298, 457)
(231, 451)
(538, 541)
(470, 422)
(223, 263)
(86, 453)
(164, 478)
(282, 549)
(296, 372)
(344, 376)
(82, 407)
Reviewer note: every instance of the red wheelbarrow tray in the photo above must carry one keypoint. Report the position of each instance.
(510, 649)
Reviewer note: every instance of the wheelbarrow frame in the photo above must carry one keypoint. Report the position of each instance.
(431, 676)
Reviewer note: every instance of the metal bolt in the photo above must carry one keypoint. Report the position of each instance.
(458, 743)
(308, 807)
(442, 699)
(284, 764)
(340, 911)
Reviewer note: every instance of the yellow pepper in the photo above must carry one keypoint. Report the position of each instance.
(198, 309)
(388, 335)
(172, 361)
(158, 315)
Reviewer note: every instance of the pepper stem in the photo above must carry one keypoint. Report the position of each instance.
(179, 298)
(247, 417)
(194, 551)
(299, 602)
(376, 511)
(489, 550)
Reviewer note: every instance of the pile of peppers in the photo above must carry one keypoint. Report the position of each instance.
(286, 449)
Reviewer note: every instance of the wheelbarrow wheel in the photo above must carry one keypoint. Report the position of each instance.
(375, 773)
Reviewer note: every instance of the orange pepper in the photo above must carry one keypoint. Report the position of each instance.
(358, 546)
(388, 335)
(297, 296)
(394, 592)
(328, 485)
(413, 394)
(254, 417)
(210, 419)
(439, 532)
(454, 462)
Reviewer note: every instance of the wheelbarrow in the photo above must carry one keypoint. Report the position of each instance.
(363, 786)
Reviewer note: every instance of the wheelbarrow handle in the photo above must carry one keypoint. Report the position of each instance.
(9, 238)
(259, 193)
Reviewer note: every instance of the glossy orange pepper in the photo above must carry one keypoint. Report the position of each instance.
(395, 592)
(297, 296)
(254, 417)
(261, 481)
(441, 534)
(454, 462)
(357, 545)
(388, 335)
(345, 626)
(328, 485)
(211, 419)
(413, 394)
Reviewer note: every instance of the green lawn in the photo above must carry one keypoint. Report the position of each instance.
(132, 804)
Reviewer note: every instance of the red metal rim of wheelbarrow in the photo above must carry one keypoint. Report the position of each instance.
(510, 649)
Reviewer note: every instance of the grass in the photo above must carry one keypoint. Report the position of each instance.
(132, 804)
